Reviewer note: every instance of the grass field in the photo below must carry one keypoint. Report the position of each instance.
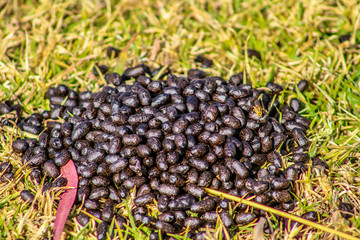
(49, 42)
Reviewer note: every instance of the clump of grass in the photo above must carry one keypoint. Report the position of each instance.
(50, 42)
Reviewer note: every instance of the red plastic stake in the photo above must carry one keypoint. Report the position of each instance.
(67, 199)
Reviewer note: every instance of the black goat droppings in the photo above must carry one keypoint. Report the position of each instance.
(300, 137)
(347, 210)
(90, 204)
(112, 52)
(83, 219)
(281, 196)
(38, 159)
(203, 206)
(345, 37)
(102, 230)
(164, 142)
(6, 167)
(100, 69)
(192, 222)
(98, 193)
(144, 199)
(205, 62)
(165, 227)
(252, 53)
(245, 218)
(62, 158)
(80, 130)
(311, 216)
(168, 190)
(196, 73)
(59, 182)
(27, 196)
(136, 71)
(226, 218)
(274, 87)
(302, 85)
(108, 211)
(167, 217)
(280, 183)
(210, 216)
(20, 145)
(240, 169)
(50, 169)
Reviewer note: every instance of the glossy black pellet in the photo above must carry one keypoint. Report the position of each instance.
(205, 62)
(192, 222)
(245, 218)
(38, 159)
(226, 218)
(136, 71)
(203, 206)
(347, 210)
(260, 187)
(62, 158)
(7, 177)
(20, 145)
(6, 167)
(311, 216)
(165, 227)
(167, 217)
(274, 87)
(82, 193)
(27, 196)
(80, 130)
(144, 199)
(112, 52)
(98, 193)
(50, 169)
(168, 190)
(300, 137)
(60, 182)
(240, 169)
(210, 216)
(205, 179)
(196, 73)
(100, 69)
(102, 230)
(107, 213)
(90, 204)
(134, 181)
(302, 85)
(100, 181)
(274, 158)
(182, 202)
(281, 196)
(195, 190)
(252, 53)
(83, 219)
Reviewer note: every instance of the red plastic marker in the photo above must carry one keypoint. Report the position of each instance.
(67, 199)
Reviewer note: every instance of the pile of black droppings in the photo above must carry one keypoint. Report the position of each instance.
(169, 139)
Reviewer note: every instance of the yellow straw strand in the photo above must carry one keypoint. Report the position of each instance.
(281, 213)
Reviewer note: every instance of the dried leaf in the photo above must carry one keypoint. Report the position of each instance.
(67, 198)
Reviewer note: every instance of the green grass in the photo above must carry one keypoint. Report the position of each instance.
(45, 43)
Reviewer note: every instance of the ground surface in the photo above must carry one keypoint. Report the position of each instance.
(45, 43)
